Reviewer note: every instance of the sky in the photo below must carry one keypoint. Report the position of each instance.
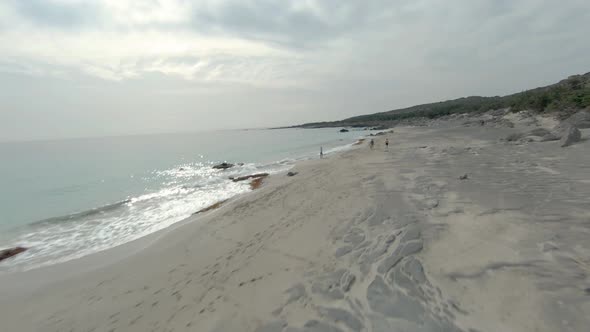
(76, 68)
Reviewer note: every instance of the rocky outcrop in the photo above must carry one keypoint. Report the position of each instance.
(343, 130)
(514, 137)
(256, 183)
(550, 137)
(535, 135)
(7, 253)
(223, 165)
(570, 136)
(292, 173)
(539, 132)
(544, 135)
(579, 120)
(247, 177)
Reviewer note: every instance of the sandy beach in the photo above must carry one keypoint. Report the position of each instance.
(450, 229)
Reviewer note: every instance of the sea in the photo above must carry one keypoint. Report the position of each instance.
(65, 199)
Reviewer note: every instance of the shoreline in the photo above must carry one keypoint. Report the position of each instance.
(28, 280)
(365, 240)
(11, 267)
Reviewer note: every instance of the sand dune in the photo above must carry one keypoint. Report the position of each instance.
(366, 240)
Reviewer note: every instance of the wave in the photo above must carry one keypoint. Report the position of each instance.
(59, 239)
(83, 214)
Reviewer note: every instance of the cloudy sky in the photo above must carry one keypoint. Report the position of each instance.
(71, 68)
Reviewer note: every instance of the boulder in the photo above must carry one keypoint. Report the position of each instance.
(550, 137)
(256, 183)
(292, 173)
(464, 177)
(539, 132)
(223, 166)
(7, 253)
(247, 177)
(343, 130)
(580, 120)
(570, 136)
(515, 137)
(535, 135)
(544, 134)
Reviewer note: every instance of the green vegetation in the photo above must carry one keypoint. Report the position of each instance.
(565, 97)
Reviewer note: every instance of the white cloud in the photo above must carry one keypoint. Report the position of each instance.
(303, 59)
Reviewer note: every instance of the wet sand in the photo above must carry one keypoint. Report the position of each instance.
(365, 240)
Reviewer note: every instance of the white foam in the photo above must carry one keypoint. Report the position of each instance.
(61, 241)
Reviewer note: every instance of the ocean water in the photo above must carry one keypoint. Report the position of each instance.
(65, 199)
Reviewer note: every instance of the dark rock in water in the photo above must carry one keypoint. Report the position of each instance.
(256, 183)
(571, 136)
(292, 173)
(464, 177)
(223, 166)
(7, 253)
(343, 130)
(247, 177)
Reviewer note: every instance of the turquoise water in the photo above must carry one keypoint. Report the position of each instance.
(69, 198)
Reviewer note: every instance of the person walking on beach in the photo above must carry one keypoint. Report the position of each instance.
(387, 144)
(321, 152)
(372, 144)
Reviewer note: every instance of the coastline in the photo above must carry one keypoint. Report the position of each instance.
(315, 250)
(183, 190)
(70, 268)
